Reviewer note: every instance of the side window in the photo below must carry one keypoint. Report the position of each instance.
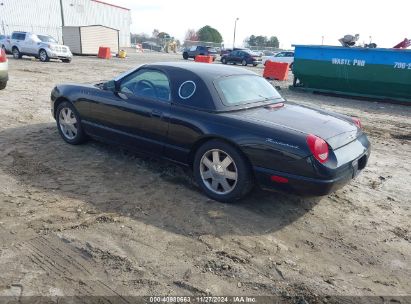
(147, 83)
(234, 53)
(193, 48)
(280, 55)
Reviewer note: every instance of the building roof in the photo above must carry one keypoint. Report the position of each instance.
(113, 5)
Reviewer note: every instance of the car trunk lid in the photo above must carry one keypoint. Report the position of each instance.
(336, 129)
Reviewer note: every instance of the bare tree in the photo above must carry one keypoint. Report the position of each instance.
(191, 35)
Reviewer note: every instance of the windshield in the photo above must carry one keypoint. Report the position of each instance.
(46, 39)
(245, 89)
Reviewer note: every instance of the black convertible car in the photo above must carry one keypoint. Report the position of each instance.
(226, 123)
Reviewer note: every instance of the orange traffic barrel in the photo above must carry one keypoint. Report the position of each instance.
(202, 58)
(276, 70)
(104, 52)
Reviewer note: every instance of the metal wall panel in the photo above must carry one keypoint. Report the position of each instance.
(43, 16)
(71, 38)
(93, 37)
(88, 12)
(32, 16)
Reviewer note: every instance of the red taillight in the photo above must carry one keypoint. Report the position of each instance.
(318, 147)
(279, 179)
(357, 122)
(3, 57)
(274, 106)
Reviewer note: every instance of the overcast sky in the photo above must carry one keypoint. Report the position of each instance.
(293, 22)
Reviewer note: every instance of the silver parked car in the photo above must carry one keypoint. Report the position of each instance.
(4, 69)
(43, 47)
(4, 42)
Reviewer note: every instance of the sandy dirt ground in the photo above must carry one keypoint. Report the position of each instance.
(97, 220)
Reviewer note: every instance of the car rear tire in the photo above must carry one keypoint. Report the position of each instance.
(16, 53)
(185, 56)
(223, 60)
(66, 60)
(244, 62)
(43, 56)
(222, 171)
(3, 85)
(255, 64)
(69, 124)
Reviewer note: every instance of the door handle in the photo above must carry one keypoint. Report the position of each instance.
(156, 113)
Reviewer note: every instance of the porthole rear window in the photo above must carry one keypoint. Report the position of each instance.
(187, 89)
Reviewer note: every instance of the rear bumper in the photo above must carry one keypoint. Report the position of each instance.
(307, 186)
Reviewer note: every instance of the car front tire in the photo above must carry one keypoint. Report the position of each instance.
(222, 171)
(244, 62)
(43, 56)
(223, 60)
(69, 124)
(185, 56)
(66, 60)
(16, 53)
(3, 85)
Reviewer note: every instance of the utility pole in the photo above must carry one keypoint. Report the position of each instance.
(62, 13)
(235, 27)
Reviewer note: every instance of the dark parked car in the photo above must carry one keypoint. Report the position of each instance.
(149, 45)
(228, 51)
(195, 50)
(229, 125)
(243, 57)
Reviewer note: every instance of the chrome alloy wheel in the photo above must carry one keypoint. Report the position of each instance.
(218, 171)
(68, 123)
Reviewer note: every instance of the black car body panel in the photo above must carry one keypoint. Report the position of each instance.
(273, 139)
(238, 56)
(194, 51)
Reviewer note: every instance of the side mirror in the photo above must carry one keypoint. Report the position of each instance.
(110, 86)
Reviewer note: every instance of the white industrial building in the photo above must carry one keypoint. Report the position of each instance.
(48, 16)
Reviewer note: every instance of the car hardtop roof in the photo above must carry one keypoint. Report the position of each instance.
(206, 71)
